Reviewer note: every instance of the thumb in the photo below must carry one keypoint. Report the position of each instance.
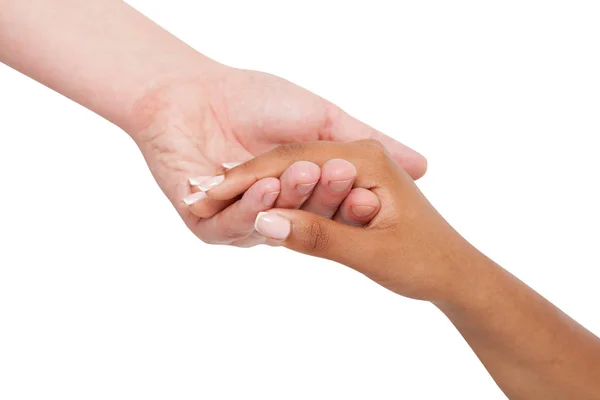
(347, 129)
(314, 235)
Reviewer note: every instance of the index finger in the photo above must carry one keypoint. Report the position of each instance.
(368, 156)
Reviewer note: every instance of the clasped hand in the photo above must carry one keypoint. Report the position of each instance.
(191, 128)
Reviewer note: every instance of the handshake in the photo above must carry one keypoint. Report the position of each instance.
(315, 180)
(400, 241)
(314, 183)
(347, 202)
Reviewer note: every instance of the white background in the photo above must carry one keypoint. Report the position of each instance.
(105, 294)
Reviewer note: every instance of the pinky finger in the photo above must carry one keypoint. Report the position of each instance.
(359, 208)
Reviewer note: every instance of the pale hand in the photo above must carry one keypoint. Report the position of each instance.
(190, 127)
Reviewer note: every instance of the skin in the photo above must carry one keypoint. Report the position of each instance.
(531, 348)
(304, 185)
(187, 113)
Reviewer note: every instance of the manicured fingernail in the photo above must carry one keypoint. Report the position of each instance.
(340, 186)
(230, 165)
(195, 181)
(305, 188)
(272, 225)
(362, 211)
(211, 183)
(194, 198)
(269, 198)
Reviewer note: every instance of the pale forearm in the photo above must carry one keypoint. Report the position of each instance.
(531, 348)
(101, 53)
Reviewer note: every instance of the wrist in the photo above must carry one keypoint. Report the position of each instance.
(438, 266)
(473, 282)
(162, 93)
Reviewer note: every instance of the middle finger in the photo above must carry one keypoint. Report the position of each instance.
(337, 178)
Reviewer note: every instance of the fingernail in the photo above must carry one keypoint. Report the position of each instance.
(272, 225)
(230, 165)
(362, 211)
(195, 181)
(194, 198)
(340, 186)
(305, 188)
(211, 183)
(269, 198)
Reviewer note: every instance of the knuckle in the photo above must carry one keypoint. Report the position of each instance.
(242, 169)
(226, 238)
(290, 150)
(372, 145)
(247, 170)
(318, 237)
(376, 151)
(231, 235)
